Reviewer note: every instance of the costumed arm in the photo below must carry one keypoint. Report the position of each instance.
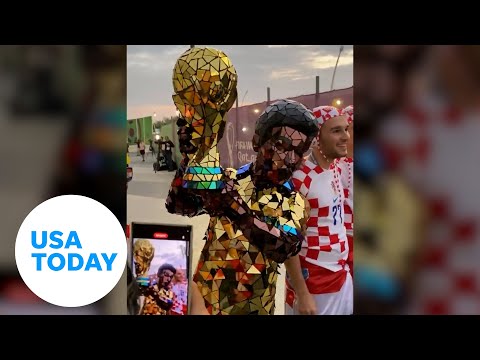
(181, 201)
(276, 224)
(186, 201)
(279, 233)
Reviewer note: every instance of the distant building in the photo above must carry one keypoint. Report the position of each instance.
(139, 129)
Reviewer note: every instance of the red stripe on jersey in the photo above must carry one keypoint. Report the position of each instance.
(464, 230)
(323, 231)
(313, 241)
(437, 307)
(313, 203)
(307, 181)
(333, 239)
(321, 280)
(312, 253)
(306, 169)
(297, 183)
(465, 283)
(326, 248)
(323, 211)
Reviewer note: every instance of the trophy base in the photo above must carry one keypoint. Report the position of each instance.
(143, 281)
(206, 178)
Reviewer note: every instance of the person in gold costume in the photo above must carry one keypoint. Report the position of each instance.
(257, 220)
(159, 297)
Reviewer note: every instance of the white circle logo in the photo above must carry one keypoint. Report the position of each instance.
(71, 251)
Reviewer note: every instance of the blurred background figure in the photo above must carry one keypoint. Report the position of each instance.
(141, 147)
(168, 146)
(417, 242)
(62, 120)
(180, 288)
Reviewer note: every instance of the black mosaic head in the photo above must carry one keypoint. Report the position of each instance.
(288, 113)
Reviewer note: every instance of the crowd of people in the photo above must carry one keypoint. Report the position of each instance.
(161, 149)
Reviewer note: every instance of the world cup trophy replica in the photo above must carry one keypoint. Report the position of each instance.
(205, 86)
(143, 253)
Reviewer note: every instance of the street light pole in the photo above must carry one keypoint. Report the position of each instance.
(244, 97)
(335, 69)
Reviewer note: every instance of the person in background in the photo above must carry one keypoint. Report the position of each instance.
(151, 148)
(168, 145)
(345, 165)
(141, 147)
(180, 288)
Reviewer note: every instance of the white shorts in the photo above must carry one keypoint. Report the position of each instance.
(339, 303)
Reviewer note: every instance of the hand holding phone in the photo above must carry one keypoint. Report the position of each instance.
(161, 263)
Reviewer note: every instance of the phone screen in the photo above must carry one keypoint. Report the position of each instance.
(161, 267)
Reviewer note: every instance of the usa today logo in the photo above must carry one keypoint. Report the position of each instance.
(71, 251)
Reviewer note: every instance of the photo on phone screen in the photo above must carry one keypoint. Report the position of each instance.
(161, 267)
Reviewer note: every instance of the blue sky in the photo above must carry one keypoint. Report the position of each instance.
(289, 70)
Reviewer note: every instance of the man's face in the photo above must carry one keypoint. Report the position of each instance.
(179, 276)
(334, 137)
(282, 154)
(165, 277)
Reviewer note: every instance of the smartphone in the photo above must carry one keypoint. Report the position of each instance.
(160, 261)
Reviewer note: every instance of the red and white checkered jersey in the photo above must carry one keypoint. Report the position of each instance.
(345, 166)
(437, 147)
(180, 304)
(326, 242)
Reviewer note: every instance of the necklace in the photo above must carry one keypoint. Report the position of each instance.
(336, 180)
(326, 159)
(336, 176)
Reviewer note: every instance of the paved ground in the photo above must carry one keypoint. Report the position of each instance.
(146, 203)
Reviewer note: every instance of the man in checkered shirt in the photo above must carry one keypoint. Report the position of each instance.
(180, 288)
(318, 279)
(345, 165)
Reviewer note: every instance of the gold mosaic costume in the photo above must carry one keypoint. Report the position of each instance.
(256, 219)
(235, 275)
